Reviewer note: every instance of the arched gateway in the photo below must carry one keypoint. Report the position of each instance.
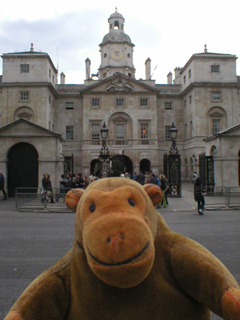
(22, 167)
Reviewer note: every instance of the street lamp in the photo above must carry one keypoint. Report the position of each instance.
(174, 165)
(173, 133)
(104, 155)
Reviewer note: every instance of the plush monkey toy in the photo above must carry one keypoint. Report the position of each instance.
(126, 264)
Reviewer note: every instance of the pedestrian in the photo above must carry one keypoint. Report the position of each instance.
(194, 177)
(141, 178)
(198, 196)
(165, 189)
(47, 188)
(2, 183)
(135, 176)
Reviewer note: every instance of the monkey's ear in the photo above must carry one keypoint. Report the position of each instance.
(72, 198)
(154, 193)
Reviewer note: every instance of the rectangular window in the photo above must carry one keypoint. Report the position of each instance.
(190, 99)
(216, 125)
(69, 132)
(215, 68)
(24, 95)
(24, 68)
(168, 105)
(95, 131)
(119, 102)
(120, 131)
(167, 132)
(144, 130)
(189, 73)
(69, 105)
(144, 102)
(95, 102)
(215, 96)
(184, 79)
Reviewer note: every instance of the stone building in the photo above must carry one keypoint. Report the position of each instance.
(47, 126)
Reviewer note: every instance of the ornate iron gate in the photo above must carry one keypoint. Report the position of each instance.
(172, 170)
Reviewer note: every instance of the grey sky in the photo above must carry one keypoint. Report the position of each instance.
(167, 33)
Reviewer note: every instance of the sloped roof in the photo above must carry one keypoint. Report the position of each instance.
(21, 120)
(224, 132)
(119, 75)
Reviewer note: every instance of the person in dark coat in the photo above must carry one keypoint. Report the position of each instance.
(2, 183)
(141, 178)
(198, 196)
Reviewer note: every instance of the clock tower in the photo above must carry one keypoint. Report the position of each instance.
(116, 49)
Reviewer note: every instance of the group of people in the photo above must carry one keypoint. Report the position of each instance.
(66, 183)
(150, 177)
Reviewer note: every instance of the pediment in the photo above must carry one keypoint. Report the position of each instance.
(119, 83)
(25, 128)
(216, 114)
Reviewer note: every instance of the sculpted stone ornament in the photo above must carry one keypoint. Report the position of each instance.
(126, 263)
(119, 85)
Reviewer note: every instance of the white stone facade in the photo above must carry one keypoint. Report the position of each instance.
(202, 99)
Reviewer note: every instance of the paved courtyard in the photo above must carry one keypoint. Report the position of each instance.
(31, 242)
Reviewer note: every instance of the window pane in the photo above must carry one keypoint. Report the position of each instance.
(120, 131)
(144, 102)
(119, 102)
(144, 131)
(216, 125)
(69, 132)
(168, 105)
(69, 105)
(216, 96)
(95, 131)
(24, 68)
(95, 102)
(215, 68)
(24, 96)
(167, 132)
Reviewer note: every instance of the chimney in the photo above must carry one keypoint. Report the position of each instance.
(177, 79)
(62, 78)
(169, 78)
(31, 49)
(205, 48)
(148, 69)
(88, 64)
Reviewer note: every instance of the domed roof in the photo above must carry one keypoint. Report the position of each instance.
(116, 15)
(116, 36)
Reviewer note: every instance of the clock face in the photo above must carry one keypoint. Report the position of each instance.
(117, 55)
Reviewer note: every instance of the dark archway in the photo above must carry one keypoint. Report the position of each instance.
(145, 165)
(121, 164)
(22, 167)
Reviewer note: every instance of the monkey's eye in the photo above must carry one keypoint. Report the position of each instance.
(92, 207)
(131, 202)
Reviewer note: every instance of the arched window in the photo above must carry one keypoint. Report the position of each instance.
(116, 25)
(217, 120)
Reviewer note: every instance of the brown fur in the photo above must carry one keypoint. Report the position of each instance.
(127, 264)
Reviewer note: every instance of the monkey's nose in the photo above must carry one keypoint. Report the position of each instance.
(115, 241)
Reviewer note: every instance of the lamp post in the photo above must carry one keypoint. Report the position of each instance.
(173, 134)
(174, 165)
(104, 155)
